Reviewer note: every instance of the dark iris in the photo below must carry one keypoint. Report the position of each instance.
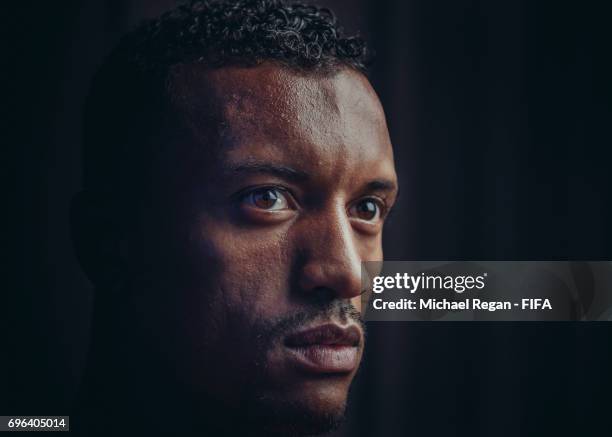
(367, 209)
(265, 198)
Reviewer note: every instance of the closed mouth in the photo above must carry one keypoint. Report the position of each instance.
(326, 349)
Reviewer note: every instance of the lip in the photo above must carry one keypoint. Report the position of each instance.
(325, 349)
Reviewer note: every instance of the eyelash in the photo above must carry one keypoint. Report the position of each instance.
(382, 205)
(242, 195)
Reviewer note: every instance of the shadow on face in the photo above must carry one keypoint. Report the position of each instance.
(273, 193)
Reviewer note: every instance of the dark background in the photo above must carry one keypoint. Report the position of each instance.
(500, 114)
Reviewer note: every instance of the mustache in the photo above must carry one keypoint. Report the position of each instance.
(344, 311)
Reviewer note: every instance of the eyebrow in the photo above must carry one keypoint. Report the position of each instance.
(295, 175)
(381, 185)
(279, 170)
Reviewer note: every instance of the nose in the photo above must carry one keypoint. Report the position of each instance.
(331, 262)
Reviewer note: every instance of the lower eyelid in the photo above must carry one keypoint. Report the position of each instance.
(367, 228)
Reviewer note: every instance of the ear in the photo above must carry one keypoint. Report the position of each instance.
(96, 237)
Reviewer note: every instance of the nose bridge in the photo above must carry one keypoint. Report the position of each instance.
(332, 259)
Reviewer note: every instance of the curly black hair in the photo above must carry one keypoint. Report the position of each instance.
(131, 88)
(246, 32)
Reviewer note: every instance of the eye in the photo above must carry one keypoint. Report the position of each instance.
(269, 199)
(368, 210)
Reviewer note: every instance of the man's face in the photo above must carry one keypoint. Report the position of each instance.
(268, 202)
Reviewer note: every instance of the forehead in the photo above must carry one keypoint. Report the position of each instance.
(272, 113)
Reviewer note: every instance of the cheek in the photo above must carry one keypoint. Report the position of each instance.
(250, 267)
(235, 279)
(370, 248)
(356, 302)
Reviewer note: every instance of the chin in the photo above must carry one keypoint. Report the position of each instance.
(324, 395)
(312, 408)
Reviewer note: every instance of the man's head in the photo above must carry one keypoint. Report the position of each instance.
(238, 170)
